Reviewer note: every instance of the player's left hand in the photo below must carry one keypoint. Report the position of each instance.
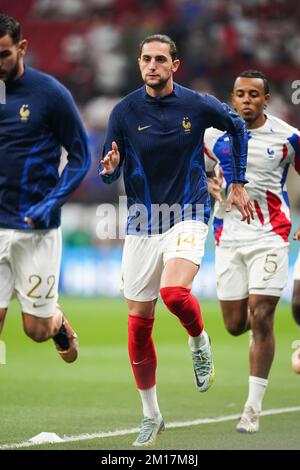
(239, 197)
(29, 222)
(296, 235)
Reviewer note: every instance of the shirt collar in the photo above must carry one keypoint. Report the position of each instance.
(175, 92)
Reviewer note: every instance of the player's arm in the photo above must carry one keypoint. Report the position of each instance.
(294, 150)
(66, 124)
(213, 170)
(224, 118)
(294, 158)
(113, 151)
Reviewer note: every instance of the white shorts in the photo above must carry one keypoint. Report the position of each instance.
(297, 269)
(144, 257)
(29, 269)
(261, 270)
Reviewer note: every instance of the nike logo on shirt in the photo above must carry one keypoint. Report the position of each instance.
(143, 128)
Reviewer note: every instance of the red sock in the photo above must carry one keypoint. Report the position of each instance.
(142, 351)
(185, 306)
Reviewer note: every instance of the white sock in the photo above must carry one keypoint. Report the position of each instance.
(150, 403)
(257, 388)
(197, 342)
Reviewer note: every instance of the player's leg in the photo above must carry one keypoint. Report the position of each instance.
(262, 348)
(235, 316)
(3, 312)
(36, 263)
(184, 249)
(141, 272)
(296, 292)
(296, 312)
(268, 269)
(232, 289)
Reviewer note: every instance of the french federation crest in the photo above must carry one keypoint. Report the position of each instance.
(187, 125)
(270, 153)
(24, 113)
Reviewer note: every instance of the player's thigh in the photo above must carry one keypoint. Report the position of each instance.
(36, 260)
(183, 250)
(268, 270)
(141, 268)
(231, 274)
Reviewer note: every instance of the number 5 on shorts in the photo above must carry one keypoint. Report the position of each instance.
(270, 265)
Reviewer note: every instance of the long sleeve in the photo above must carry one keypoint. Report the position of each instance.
(66, 125)
(222, 117)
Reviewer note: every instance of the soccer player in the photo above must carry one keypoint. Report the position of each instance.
(156, 133)
(39, 117)
(252, 260)
(296, 304)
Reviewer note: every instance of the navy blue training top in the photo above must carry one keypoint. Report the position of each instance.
(39, 117)
(160, 140)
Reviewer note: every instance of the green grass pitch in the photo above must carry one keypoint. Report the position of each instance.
(40, 393)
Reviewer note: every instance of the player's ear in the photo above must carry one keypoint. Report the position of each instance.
(23, 46)
(267, 99)
(175, 65)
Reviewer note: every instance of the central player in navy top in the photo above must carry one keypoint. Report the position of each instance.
(156, 133)
(37, 120)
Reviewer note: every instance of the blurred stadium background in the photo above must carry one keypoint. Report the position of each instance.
(91, 46)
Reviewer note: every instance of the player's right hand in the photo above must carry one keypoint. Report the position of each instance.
(111, 160)
(239, 197)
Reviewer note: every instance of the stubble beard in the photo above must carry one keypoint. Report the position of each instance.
(12, 74)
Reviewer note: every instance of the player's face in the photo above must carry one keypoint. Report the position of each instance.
(11, 58)
(156, 65)
(249, 99)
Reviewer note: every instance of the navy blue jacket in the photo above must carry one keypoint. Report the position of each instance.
(38, 119)
(161, 147)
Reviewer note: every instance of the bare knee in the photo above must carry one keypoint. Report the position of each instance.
(262, 318)
(38, 329)
(38, 334)
(141, 309)
(235, 328)
(235, 315)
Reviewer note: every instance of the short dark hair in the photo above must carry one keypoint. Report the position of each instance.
(161, 38)
(10, 26)
(256, 74)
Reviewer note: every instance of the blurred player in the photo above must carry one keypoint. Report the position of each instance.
(156, 132)
(296, 304)
(38, 118)
(252, 260)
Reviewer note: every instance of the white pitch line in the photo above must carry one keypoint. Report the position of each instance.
(125, 432)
